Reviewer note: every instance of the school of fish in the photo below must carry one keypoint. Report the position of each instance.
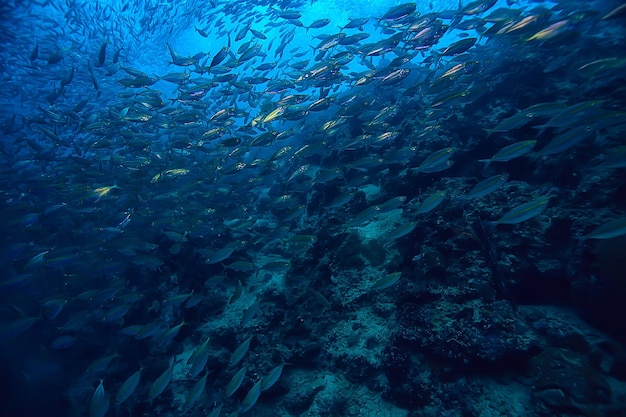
(152, 186)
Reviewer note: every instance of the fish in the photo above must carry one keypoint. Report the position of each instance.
(514, 122)
(613, 228)
(63, 342)
(16, 327)
(604, 65)
(330, 41)
(615, 158)
(250, 313)
(170, 334)
(551, 31)
(617, 12)
(251, 397)
(435, 160)
(477, 7)
(220, 56)
(178, 59)
(523, 212)
(128, 387)
(239, 353)
(199, 359)
(35, 52)
(215, 412)
(431, 202)
(391, 204)
(356, 23)
(319, 23)
(572, 115)
(279, 155)
(102, 54)
(320, 298)
(565, 141)
(272, 377)
(459, 47)
(235, 382)
(402, 230)
(237, 293)
(59, 55)
(487, 186)
(201, 32)
(99, 404)
(398, 12)
(161, 383)
(512, 151)
(196, 391)
(36, 260)
(387, 281)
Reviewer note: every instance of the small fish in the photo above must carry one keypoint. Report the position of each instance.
(99, 404)
(57, 56)
(566, 140)
(36, 260)
(341, 199)
(102, 54)
(431, 202)
(320, 298)
(391, 204)
(63, 342)
(356, 23)
(487, 186)
(571, 116)
(270, 379)
(98, 193)
(257, 34)
(398, 12)
(524, 212)
(240, 352)
(93, 77)
(402, 230)
(435, 159)
(251, 397)
(250, 312)
(320, 23)
(128, 387)
(512, 151)
(170, 334)
(608, 230)
(289, 14)
(551, 31)
(615, 158)
(16, 327)
(161, 382)
(363, 217)
(201, 32)
(459, 47)
(237, 293)
(592, 68)
(35, 52)
(387, 281)
(216, 412)
(477, 7)
(235, 382)
(619, 11)
(330, 41)
(199, 358)
(197, 391)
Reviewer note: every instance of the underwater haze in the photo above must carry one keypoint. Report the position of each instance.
(313, 208)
